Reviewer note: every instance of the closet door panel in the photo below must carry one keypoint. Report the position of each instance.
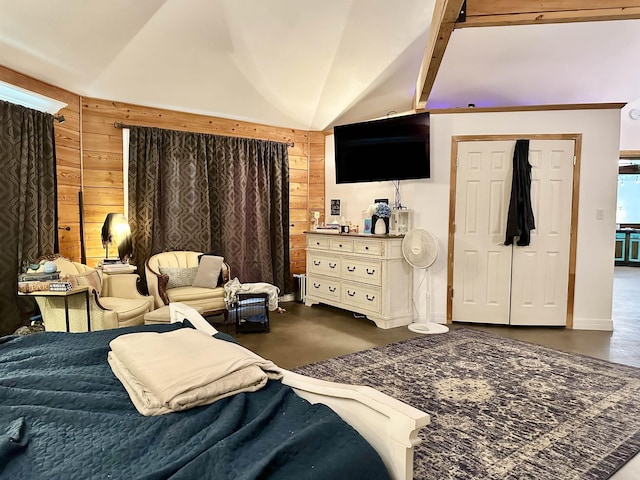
(482, 264)
(540, 271)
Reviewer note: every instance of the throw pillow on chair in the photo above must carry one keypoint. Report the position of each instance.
(179, 277)
(208, 272)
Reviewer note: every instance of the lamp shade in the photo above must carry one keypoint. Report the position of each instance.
(116, 230)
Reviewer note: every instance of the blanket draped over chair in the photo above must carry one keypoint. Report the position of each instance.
(173, 371)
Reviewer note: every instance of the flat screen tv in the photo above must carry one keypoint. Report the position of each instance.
(394, 148)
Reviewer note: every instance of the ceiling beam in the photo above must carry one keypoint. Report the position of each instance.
(445, 14)
(491, 13)
(629, 153)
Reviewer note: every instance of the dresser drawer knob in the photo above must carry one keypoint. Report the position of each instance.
(373, 297)
(366, 247)
(350, 293)
(332, 265)
(332, 289)
(373, 270)
(340, 245)
(316, 262)
(351, 269)
(316, 285)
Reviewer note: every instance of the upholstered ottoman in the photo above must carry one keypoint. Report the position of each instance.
(163, 315)
(160, 315)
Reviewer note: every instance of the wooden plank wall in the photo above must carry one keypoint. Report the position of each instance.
(67, 137)
(312, 197)
(103, 179)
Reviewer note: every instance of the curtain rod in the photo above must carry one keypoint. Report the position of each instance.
(124, 125)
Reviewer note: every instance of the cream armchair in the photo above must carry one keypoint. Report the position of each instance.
(171, 277)
(114, 300)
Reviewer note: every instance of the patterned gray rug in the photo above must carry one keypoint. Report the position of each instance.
(504, 409)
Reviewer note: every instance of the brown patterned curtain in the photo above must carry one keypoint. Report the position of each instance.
(28, 198)
(209, 193)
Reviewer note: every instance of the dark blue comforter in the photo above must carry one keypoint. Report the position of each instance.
(63, 414)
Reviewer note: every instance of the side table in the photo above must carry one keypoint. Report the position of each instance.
(65, 295)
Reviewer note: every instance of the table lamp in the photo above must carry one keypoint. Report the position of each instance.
(116, 230)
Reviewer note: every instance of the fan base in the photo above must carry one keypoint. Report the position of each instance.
(428, 328)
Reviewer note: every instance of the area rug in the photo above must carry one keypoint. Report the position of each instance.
(501, 408)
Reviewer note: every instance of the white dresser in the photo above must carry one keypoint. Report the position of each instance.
(365, 274)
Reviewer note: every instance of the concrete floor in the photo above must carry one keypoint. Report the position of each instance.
(305, 335)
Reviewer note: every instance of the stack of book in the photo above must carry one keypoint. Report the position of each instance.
(38, 277)
(60, 286)
(110, 261)
(40, 281)
(116, 266)
(329, 228)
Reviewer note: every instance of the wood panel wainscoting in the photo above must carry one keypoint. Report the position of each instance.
(89, 160)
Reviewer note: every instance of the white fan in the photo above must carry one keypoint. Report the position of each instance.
(420, 250)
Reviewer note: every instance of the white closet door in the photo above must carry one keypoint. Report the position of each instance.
(482, 264)
(494, 283)
(540, 272)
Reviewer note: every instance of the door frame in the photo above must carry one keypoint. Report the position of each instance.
(573, 240)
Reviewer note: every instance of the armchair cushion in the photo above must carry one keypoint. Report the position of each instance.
(129, 309)
(193, 295)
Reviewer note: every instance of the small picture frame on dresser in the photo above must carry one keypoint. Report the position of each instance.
(367, 226)
(335, 207)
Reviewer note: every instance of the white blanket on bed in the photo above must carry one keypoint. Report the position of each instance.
(173, 371)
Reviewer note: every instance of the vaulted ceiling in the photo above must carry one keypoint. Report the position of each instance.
(312, 64)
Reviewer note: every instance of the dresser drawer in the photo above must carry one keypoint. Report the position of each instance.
(341, 244)
(328, 288)
(368, 247)
(324, 264)
(361, 297)
(356, 270)
(318, 241)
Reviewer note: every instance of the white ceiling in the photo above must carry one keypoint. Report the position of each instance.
(307, 64)
(587, 62)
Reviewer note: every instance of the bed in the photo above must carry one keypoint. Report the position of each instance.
(64, 414)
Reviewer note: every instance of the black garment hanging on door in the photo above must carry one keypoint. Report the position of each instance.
(520, 219)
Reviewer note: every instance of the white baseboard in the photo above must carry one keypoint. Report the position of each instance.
(287, 297)
(578, 323)
(593, 324)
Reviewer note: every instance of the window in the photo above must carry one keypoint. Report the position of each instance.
(11, 93)
(628, 204)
